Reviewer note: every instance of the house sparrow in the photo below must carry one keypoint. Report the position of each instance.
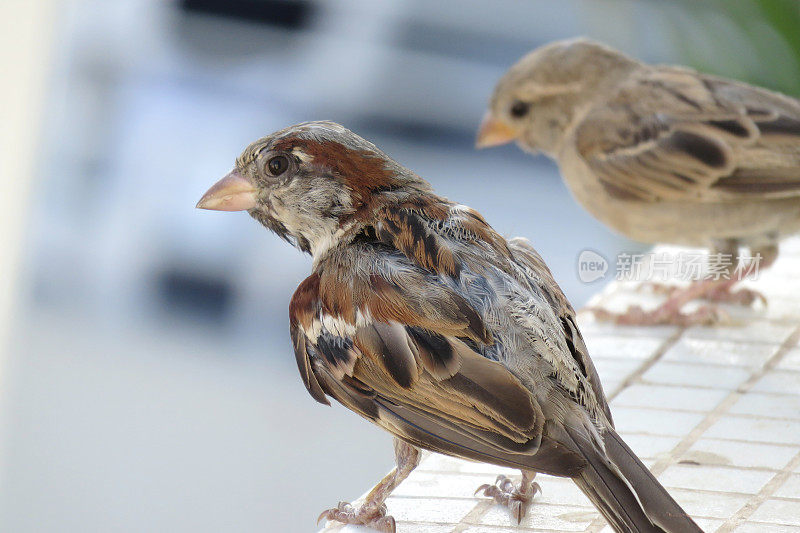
(421, 318)
(660, 154)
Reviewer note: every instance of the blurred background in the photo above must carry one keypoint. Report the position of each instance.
(147, 382)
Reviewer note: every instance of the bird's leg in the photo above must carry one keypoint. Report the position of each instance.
(668, 312)
(722, 292)
(517, 498)
(763, 258)
(658, 287)
(372, 512)
(715, 289)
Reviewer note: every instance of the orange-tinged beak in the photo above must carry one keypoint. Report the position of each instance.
(494, 132)
(231, 193)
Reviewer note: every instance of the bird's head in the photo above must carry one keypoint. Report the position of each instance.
(537, 99)
(312, 183)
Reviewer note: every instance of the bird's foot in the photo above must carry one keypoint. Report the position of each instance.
(657, 287)
(365, 515)
(705, 315)
(745, 297)
(721, 292)
(372, 512)
(516, 498)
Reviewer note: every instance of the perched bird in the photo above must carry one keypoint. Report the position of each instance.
(660, 154)
(421, 318)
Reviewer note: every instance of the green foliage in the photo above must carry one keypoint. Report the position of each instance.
(784, 17)
(754, 40)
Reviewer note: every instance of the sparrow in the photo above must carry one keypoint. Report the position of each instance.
(422, 319)
(660, 154)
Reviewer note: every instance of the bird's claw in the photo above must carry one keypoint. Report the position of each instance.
(722, 294)
(375, 518)
(745, 297)
(504, 492)
(706, 315)
(657, 287)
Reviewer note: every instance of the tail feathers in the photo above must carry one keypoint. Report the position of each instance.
(624, 490)
(614, 499)
(658, 504)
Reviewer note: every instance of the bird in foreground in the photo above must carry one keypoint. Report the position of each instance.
(421, 318)
(660, 154)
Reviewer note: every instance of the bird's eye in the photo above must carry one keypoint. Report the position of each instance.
(278, 165)
(520, 109)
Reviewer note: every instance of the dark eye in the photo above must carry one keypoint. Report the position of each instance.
(520, 109)
(278, 165)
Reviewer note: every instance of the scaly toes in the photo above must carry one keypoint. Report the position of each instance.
(385, 524)
(604, 315)
(744, 297)
(636, 316)
(655, 287)
(705, 315)
(517, 510)
(502, 487)
(341, 513)
(374, 518)
(521, 501)
(516, 499)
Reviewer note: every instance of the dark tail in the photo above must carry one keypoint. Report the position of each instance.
(625, 492)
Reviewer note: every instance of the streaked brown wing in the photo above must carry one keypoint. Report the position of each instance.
(480, 412)
(421, 381)
(426, 428)
(674, 134)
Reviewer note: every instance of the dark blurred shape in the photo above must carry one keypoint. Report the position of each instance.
(428, 133)
(288, 14)
(196, 295)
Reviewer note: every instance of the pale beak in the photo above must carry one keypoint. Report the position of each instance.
(231, 193)
(494, 132)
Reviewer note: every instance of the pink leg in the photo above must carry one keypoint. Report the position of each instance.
(669, 312)
(724, 293)
(373, 512)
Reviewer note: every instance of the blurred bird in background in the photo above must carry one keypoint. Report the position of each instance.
(660, 154)
(422, 319)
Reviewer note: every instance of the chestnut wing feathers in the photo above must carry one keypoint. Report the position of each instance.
(406, 354)
(397, 343)
(673, 134)
(422, 385)
(304, 365)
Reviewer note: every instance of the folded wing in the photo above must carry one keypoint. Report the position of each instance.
(674, 134)
(408, 360)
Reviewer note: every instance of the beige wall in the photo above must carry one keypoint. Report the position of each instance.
(25, 37)
(24, 53)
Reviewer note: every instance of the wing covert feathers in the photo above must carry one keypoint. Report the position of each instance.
(674, 134)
